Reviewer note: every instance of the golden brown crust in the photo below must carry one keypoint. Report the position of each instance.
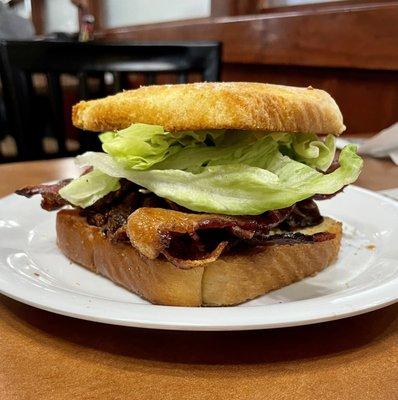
(227, 105)
(232, 279)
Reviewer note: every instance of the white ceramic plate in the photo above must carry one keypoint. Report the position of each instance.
(33, 270)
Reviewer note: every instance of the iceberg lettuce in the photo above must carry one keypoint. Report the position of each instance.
(226, 172)
(142, 146)
(87, 189)
(247, 177)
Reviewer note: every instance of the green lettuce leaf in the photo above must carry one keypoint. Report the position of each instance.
(275, 181)
(140, 146)
(87, 189)
(227, 172)
(308, 148)
(236, 148)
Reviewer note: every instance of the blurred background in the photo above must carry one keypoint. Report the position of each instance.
(55, 52)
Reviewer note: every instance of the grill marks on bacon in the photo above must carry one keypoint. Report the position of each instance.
(191, 240)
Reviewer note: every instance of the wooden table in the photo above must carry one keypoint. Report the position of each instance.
(47, 356)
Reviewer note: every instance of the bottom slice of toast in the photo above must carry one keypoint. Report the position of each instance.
(230, 280)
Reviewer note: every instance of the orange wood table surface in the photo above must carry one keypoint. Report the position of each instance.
(47, 356)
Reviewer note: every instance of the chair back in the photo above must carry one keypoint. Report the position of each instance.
(20, 60)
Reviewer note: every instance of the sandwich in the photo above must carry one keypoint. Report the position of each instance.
(205, 194)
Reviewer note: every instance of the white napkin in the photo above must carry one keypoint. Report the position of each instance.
(384, 144)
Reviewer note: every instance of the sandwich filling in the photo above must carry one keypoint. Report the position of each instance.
(192, 196)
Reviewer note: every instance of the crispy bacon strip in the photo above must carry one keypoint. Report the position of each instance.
(292, 238)
(204, 259)
(51, 200)
(189, 240)
(327, 196)
(150, 229)
(156, 226)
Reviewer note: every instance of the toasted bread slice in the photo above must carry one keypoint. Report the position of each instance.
(232, 279)
(229, 105)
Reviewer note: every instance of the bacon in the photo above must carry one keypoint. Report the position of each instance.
(111, 212)
(159, 227)
(51, 200)
(292, 238)
(304, 213)
(188, 240)
(327, 196)
(204, 258)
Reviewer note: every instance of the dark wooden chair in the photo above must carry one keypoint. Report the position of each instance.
(19, 60)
